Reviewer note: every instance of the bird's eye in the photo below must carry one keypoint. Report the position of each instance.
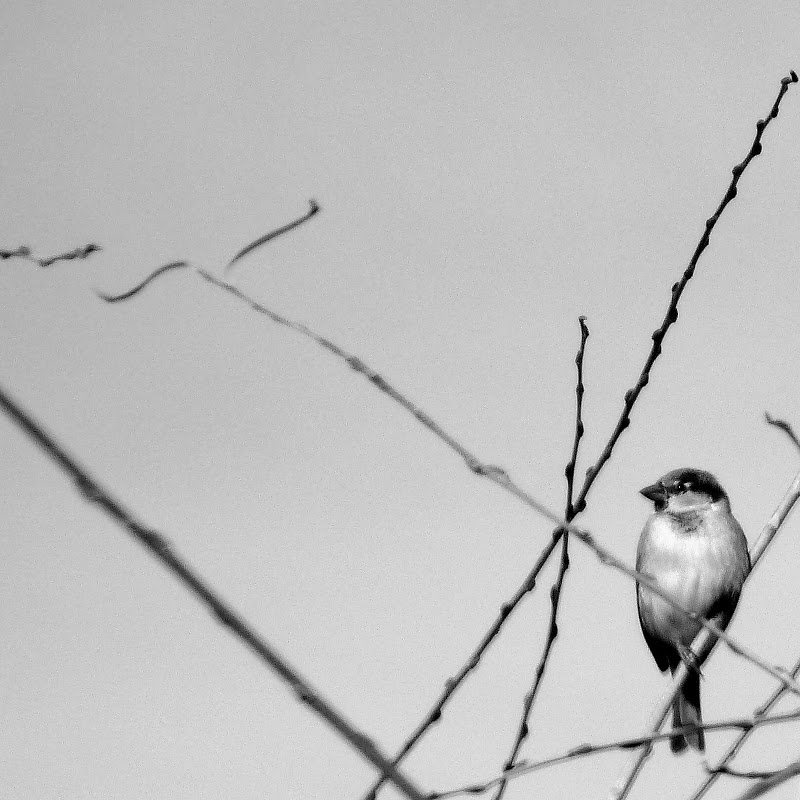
(685, 486)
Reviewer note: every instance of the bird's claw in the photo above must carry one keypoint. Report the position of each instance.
(689, 658)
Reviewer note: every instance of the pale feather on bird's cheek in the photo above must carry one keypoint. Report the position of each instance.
(688, 501)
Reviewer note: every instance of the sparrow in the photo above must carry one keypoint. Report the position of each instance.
(694, 548)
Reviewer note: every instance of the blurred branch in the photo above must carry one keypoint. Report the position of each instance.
(704, 643)
(24, 252)
(313, 209)
(768, 784)
(555, 589)
(748, 775)
(525, 767)
(163, 551)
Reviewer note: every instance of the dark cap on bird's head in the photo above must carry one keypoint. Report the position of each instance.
(685, 479)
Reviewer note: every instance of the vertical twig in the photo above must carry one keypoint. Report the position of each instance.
(555, 589)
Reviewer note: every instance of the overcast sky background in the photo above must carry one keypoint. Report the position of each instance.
(487, 172)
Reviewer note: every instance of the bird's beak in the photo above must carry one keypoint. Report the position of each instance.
(655, 492)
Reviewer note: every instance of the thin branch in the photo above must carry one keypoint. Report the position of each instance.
(737, 745)
(313, 209)
(784, 426)
(116, 298)
(704, 643)
(525, 767)
(163, 551)
(677, 290)
(569, 471)
(752, 775)
(24, 252)
(555, 590)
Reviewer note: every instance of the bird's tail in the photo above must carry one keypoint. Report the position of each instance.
(686, 711)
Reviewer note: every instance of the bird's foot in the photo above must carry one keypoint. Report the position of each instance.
(689, 658)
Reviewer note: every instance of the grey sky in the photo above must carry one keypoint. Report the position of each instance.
(487, 172)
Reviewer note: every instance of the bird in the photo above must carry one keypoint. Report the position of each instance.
(692, 547)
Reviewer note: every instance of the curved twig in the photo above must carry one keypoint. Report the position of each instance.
(116, 298)
(313, 209)
(784, 426)
(555, 590)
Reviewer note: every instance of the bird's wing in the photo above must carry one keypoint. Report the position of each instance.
(665, 655)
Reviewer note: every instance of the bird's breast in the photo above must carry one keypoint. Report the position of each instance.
(697, 564)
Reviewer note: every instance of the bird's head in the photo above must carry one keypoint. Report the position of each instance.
(684, 489)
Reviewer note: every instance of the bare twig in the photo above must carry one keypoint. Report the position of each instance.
(313, 209)
(24, 252)
(525, 767)
(162, 550)
(735, 773)
(784, 426)
(677, 288)
(704, 643)
(116, 298)
(569, 471)
(555, 590)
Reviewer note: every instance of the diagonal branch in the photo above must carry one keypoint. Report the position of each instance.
(555, 590)
(163, 551)
(768, 784)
